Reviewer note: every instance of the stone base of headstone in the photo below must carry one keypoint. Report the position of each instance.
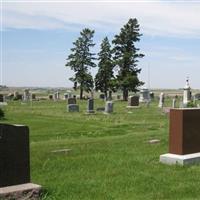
(90, 112)
(187, 159)
(73, 108)
(133, 106)
(100, 109)
(23, 191)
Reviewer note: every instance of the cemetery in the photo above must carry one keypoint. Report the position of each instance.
(99, 100)
(71, 152)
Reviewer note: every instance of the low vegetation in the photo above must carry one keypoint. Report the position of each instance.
(109, 156)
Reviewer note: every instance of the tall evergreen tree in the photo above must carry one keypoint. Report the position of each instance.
(81, 60)
(105, 77)
(126, 57)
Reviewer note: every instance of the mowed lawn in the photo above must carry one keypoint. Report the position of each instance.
(110, 155)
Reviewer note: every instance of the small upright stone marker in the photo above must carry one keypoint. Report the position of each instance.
(133, 102)
(71, 100)
(173, 103)
(73, 108)
(109, 107)
(161, 100)
(90, 106)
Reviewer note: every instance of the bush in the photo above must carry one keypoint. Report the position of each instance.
(1, 114)
(191, 105)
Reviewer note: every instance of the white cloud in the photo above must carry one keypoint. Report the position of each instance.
(156, 18)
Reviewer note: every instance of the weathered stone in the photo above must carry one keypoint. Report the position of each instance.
(90, 106)
(73, 108)
(109, 107)
(71, 100)
(133, 101)
(1, 98)
(144, 95)
(102, 96)
(161, 100)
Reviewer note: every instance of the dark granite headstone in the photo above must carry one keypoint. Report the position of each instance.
(14, 155)
(73, 108)
(1, 98)
(71, 101)
(133, 101)
(101, 96)
(90, 106)
(184, 136)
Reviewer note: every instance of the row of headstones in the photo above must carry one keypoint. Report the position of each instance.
(74, 107)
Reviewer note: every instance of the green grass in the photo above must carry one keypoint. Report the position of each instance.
(110, 156)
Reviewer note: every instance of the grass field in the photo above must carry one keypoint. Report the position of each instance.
(110, 156)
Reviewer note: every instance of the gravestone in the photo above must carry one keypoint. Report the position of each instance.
(14, 160)
(1, 98)
(109, 107)
(50, 96)
(71, 101)
(133, 101)
(184, 137)
(90, 106)
(73, 108)
(161, 100)
(173, 103)
(186, 94)
(118, 97)
(33, 96)
(102, 96)
(26, 96)
(144, 95)
(66, 95)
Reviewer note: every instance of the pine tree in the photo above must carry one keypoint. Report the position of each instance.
(81, 60)
(126, 57)
(104, 78)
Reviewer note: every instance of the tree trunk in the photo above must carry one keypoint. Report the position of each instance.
(125, 94)
(81, 93)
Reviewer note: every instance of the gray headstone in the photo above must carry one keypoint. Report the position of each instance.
(73, 108)
(173, 103)
(90, 106)
(101, 96)
(14, 155)
(161, 100)
(109, 107)
(71, 101)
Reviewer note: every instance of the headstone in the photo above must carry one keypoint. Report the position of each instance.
(151, 95)
(144, 95)
(184, 137)
(102, 96)
(50, 96)
(161, 100)
(1, 98)
(33, 96)
(71, 101)
(109, 107)
(73, 108)
(133, 101)
(118, 97)
(110, 95)
(186, 94)
(14, 156)
(66, 95)
(90, 106)
(26, 96)
(173, 103)
(14, 160)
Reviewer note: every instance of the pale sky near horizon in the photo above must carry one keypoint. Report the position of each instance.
(36, 37)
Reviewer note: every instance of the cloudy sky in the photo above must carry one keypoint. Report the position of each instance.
(36, 37)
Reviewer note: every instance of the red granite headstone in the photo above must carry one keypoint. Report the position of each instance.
(184, 133)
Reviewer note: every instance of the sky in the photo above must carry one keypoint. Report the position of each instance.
(36, 38)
